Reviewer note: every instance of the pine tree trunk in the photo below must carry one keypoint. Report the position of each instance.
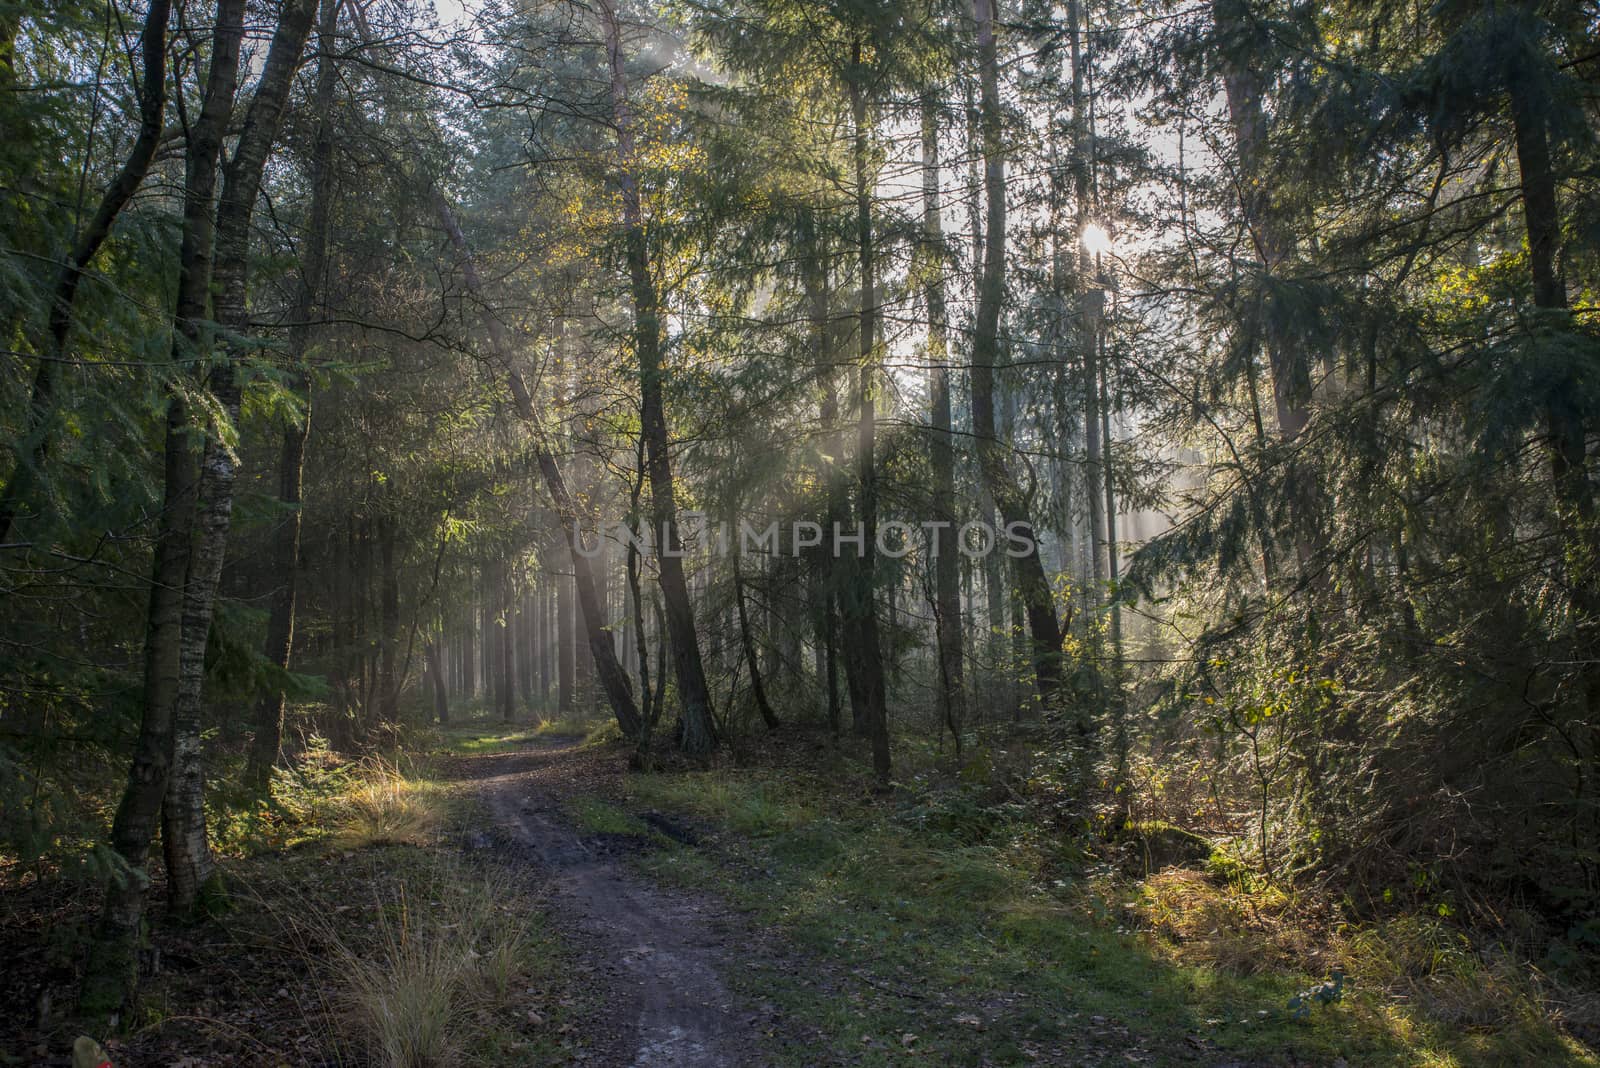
(1566, 435)
(110, 972)
(941, 448)
(388, 686)
(508, 690)
(286, 540)
(864, 659)
(441, 693)
(1028, 569)
(469, 656)
(829, 571)
(698, 732)
(524, 643)
(183, 823)
(565, 658)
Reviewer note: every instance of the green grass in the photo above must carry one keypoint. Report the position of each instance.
(601, 817)
(477, 735)
(948, 931)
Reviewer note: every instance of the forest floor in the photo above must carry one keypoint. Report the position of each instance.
(514, 895)
(773, 909)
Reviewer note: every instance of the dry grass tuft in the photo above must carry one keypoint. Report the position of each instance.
(407, 991)
(385, 808)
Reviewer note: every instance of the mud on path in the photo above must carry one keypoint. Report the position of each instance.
(661, 956)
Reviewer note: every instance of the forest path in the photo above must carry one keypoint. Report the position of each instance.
(660, 955)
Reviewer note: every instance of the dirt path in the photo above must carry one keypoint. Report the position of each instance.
(661, 955)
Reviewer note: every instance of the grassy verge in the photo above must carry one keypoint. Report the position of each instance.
(954, 936)
(485, 734)
(357, 933)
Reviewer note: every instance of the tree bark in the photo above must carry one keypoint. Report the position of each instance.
(389, 680)
(508, 688)
(565, 654)
(441, 693)
(751, 659)
(864, 659)
(1566, 434)
(183, 822)
(941, 446)
(698, 731)
(1031, 580)
(110, 972)
(268, 740)
(829, 569)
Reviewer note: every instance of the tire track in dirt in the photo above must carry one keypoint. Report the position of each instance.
(662, 951)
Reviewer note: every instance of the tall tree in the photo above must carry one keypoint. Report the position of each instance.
(1032, 583)
(697, 733)
(941, 442)
(110, 971)
(294, 432)
(183, 829)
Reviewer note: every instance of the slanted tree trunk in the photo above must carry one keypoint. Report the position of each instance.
(110, 972)
(941, 447)
(613, 679)
(1032, 583)
(698, 731)
(34, 451)
(268, 740)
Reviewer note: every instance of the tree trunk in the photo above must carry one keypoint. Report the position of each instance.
(752, 660)
(699, 734)
(1566, 434)
(183, 822)
(508, 689)
(524, 645)
(110, 973)
(566, 661)
(941, 447)
(389, 680)
(829, 568)
(613, 680)
(286, 539)
(864, 662)
(441, 693)
(649, 710)
(1031, 580)
(1091, 306)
